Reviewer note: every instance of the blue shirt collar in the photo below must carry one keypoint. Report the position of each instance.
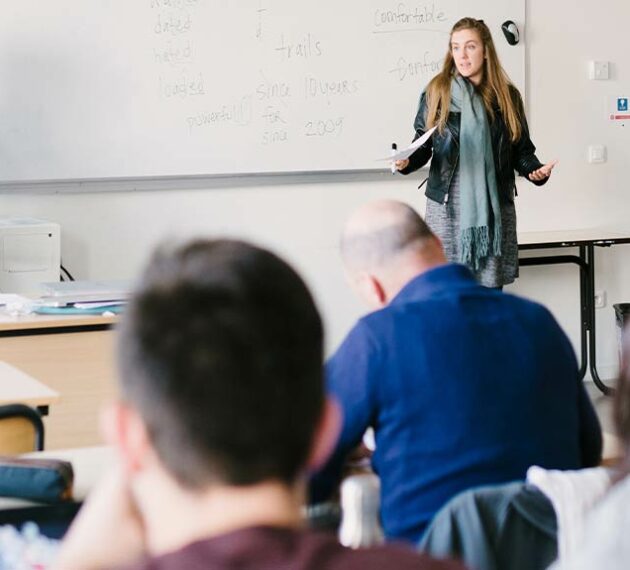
(445, 277)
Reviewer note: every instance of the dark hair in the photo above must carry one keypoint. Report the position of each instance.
(220, 350)
(621, 401)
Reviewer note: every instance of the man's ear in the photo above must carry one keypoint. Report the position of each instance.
(326, 435)
(123, 428)
(371, 290)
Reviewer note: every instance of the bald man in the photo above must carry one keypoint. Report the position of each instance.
(463, 385)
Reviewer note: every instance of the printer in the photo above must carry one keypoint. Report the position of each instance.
(30, 253)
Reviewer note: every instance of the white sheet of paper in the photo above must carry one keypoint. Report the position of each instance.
(11, 299)
(404, 153)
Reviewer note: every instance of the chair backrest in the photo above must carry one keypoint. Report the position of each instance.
(21, 430)
(490, 528)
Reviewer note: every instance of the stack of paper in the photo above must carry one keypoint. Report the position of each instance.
(85, 294)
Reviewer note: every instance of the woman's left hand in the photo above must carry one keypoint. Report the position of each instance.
(543, 172)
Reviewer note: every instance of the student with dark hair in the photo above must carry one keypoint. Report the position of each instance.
(222, 413)
(463, 385)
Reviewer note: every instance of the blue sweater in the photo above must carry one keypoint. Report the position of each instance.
(464, 386)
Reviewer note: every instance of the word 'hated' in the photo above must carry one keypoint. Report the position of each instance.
(173, 54)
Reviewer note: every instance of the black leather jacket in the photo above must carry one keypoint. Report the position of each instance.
(444, 148)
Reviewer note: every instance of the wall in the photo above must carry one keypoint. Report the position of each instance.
(110, 234)
(568, 112)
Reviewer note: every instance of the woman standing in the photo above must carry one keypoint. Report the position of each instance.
(481, 138)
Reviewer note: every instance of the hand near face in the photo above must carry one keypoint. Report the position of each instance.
(108, 531)
(543, 172)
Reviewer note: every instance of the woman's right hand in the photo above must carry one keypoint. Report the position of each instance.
(401, 164)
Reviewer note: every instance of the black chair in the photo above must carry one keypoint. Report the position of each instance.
(21, 429)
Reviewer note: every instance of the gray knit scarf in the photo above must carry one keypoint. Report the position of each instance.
(480, 210)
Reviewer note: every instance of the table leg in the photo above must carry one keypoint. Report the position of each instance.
(585, 314)
(585, 310)
(589, 257)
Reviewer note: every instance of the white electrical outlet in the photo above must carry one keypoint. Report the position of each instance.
(600, 299)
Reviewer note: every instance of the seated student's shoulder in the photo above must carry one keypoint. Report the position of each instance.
(266, 547)
(322, 551)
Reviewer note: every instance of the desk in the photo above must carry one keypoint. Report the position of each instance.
(585, 241)
(72, 355)
(17, 387)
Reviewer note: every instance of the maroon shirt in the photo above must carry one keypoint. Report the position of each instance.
(266, 548)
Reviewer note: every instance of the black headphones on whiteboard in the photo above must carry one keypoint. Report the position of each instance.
(510, 31)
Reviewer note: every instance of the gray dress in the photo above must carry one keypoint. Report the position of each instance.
(444, 221)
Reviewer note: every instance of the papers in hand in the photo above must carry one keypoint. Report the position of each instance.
(405, 153)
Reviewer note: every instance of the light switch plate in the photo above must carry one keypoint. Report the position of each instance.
(599, 70)
(596, 153)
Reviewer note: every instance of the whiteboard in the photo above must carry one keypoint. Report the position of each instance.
(93, 89)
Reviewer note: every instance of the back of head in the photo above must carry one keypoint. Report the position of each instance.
(380, 232)
(221, 353)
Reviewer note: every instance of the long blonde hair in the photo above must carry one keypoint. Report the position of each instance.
(495, 86)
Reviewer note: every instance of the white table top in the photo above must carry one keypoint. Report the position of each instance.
(563, 238)
(10, 322)
(17, 387)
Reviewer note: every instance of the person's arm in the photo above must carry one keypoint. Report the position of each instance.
(350, 375)
(107, 533)
(526, 162)
(419, 158)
